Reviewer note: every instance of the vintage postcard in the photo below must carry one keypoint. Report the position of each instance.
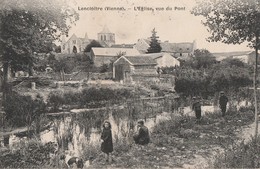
(129, 83)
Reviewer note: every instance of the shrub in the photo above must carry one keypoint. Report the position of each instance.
(55, 100)
(93, 96)
(32, 153)
(174, 125)
(23, 110)
(71, 97)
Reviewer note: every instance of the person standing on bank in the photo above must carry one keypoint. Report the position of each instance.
(196, 107)
(142, 137)
(106, 141)
(223, 100)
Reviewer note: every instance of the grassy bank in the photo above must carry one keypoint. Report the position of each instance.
(174, 143)
(180, 141)
(240, 155)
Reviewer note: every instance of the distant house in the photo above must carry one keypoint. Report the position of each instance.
(244, 56)
(128, 68)
(163, 59)
(101, 56)
(183, 50)
(142, 45)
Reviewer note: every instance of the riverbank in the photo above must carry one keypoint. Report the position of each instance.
(181, 142)
(178, 142)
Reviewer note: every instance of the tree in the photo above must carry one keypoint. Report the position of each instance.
(233, 22)
(204, 58)
(93, 43)
(64, 65)
(24, 110)
(233, 62)
(155, 46)
(57, 49)
(28, 27)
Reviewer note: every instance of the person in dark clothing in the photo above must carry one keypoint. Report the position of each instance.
(142, 137)
(196, 107)
(223, 100)
(106, 140)
(71, 162)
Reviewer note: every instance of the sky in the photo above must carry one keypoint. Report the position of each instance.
(176, 25)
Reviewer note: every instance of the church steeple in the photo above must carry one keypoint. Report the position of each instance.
(106, 36)
(105, 30)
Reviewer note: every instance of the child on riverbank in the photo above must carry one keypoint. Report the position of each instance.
(106, 141)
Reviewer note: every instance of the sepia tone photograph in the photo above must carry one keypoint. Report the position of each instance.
(129, 84)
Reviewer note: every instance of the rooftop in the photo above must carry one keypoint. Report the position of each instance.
(141, 60)
(114, 51)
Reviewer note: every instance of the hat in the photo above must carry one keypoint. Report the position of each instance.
(194, 97)
(222, 92)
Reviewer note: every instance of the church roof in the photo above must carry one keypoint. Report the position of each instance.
(105, 30)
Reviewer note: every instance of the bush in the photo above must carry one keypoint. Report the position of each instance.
(55, 100)
(31, 154)
(89, 96)
(23, 110)
(174, 126)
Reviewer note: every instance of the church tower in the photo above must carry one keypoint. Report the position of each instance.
(106, 36)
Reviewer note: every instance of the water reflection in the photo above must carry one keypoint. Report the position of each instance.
(70, 134)
(73, 132)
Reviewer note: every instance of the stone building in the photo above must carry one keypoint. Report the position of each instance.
(179, 50)
(77, 45)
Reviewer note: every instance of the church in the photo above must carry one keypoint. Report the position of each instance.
(77, 45)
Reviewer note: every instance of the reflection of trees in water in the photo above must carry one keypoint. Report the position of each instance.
(78, 127)
(91, 119)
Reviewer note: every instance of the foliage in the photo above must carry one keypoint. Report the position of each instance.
(229, 75)
(104, 94)
(155, 46)
(55, 100)
(93, 43)
(240, 155)
(31, 27)
(234, 62)
(23, 110)
(233, 22)
(88, 97)
(202, 59)
(30, 154)
(57, 49)
(230, 21)
(65, 65)
(106, 68)
(120, 53)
